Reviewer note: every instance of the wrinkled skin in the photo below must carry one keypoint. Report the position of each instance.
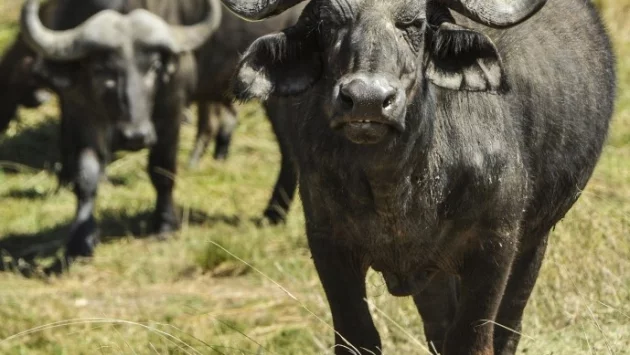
(438, 152)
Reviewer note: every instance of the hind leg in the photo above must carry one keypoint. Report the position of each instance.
(284, 190)
(520, 285)
(205, 132)
(228, 122)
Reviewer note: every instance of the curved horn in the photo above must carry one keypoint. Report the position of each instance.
(496, 13)
(188, 38)
(256, 10)
(64, 45)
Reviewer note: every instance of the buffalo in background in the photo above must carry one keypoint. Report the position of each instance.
(105, 107)
(123, 82)
(19, 84)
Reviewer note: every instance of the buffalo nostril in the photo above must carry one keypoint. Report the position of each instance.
(346, 100)
(391, 98)
(128, 134)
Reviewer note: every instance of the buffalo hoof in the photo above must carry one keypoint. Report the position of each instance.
(222, 146)
(274, 217)
(36, 98)
(62, 265)
(84, 240)
(187, 117)
(80, 246)
(221, 155)
(193, 163)
(162, 227)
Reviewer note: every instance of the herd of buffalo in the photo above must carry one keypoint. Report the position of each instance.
(435, 141)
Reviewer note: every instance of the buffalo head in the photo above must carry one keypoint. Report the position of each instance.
(122, 61)
(368, 59)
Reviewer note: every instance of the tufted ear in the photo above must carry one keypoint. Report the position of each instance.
(57, 76)
(458, 58)
(282, 64)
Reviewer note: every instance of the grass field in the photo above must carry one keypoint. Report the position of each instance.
(188, 295)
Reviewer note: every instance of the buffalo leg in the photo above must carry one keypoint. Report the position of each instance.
(228, 120)
(343, 278)
(68, 150)
(14, 73)
(206, 128)
(484, 274)
(84, 231)
(162, 170)
(8, 110)
(187, 116)
(519, 288)
(284, 190)
(437, 305)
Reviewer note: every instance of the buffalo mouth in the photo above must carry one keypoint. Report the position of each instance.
(134, 144)
(366, 131)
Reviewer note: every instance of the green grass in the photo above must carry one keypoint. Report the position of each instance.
(186, 295)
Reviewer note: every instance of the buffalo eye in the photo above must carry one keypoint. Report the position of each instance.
(413, 32)
(110, 84)
(156, 65)
(104, 74)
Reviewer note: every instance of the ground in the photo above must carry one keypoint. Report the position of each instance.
(223, 285)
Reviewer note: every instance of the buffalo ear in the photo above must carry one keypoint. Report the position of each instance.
(57, 76)
(282, 64)
(462, 59)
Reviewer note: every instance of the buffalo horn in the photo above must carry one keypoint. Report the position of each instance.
(188, 38)
(70, 44)
(255, 10)
(496, 13)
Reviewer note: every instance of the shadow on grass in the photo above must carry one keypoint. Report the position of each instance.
(112, 226)
(34, 147)
(27, 194)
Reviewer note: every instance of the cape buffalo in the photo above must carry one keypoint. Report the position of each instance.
(19, 86)
(438, 148)
(209, 88)
(216, 61)
(123, 81)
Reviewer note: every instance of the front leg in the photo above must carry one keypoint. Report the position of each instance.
(519, 287)
(437, 305)
(162, 170)
(84, 234)
(342, 274)
(484, 272)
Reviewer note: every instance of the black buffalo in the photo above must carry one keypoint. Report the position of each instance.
(217, 115)
(437, 150)
(123, 82)
(215, 63)
(19, 85)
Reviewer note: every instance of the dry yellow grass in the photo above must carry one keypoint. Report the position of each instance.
(188, 296)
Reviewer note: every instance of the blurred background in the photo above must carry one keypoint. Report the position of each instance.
(225, 285)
